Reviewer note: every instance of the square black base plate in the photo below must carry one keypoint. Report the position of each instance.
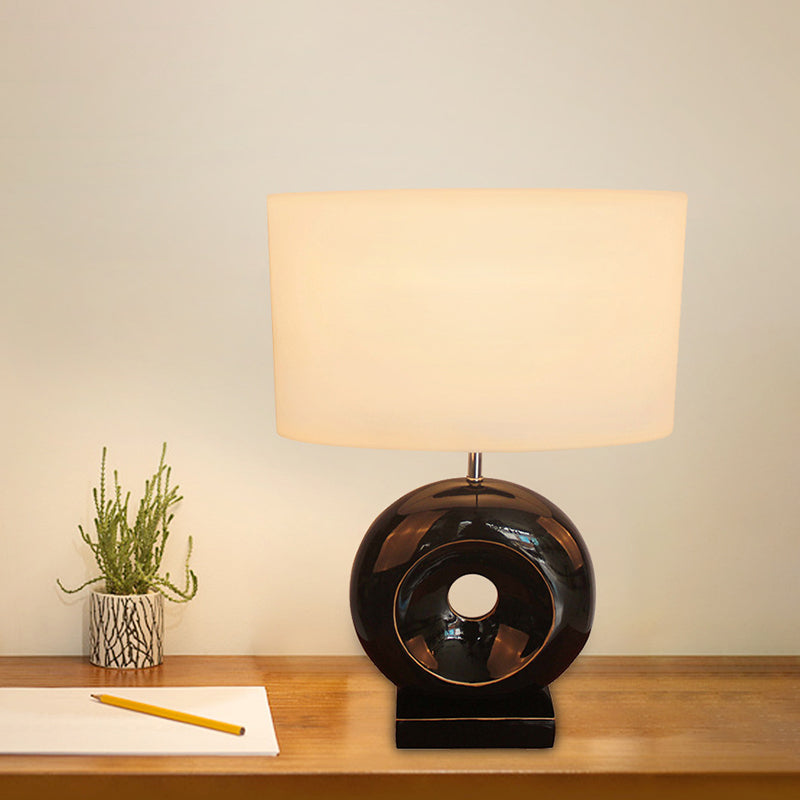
(524, 719)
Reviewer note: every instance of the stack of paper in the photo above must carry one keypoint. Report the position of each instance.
(69, 722)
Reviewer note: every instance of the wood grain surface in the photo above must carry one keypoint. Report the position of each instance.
(626, 727)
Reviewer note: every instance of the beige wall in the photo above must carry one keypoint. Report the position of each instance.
(138, 143)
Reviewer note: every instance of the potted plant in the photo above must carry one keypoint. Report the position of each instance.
(126, 621)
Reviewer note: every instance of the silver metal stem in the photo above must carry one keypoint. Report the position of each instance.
(474, 467)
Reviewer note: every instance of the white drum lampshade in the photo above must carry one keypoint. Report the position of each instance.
(471, 320)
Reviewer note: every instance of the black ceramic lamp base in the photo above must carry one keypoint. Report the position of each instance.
(472, 681)
(524, 719)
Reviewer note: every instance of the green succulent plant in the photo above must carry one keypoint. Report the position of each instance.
(130, 558)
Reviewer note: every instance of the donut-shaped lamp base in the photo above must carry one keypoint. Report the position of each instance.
(467, 678)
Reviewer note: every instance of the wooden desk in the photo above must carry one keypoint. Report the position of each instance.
(626, 727)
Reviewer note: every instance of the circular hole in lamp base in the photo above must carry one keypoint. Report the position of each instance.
(472, 596)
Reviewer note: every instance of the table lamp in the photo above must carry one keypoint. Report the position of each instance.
(475, 320)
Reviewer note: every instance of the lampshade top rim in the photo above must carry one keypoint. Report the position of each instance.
(484, 190)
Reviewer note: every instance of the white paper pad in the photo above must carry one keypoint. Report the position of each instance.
(69, 722)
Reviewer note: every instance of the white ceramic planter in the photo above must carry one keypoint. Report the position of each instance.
(126, 631)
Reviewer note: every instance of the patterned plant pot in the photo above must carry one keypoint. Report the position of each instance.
(126, 631)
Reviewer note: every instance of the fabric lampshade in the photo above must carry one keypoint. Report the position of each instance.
(477, 319)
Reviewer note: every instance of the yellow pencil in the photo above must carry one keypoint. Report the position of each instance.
(178, 716)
